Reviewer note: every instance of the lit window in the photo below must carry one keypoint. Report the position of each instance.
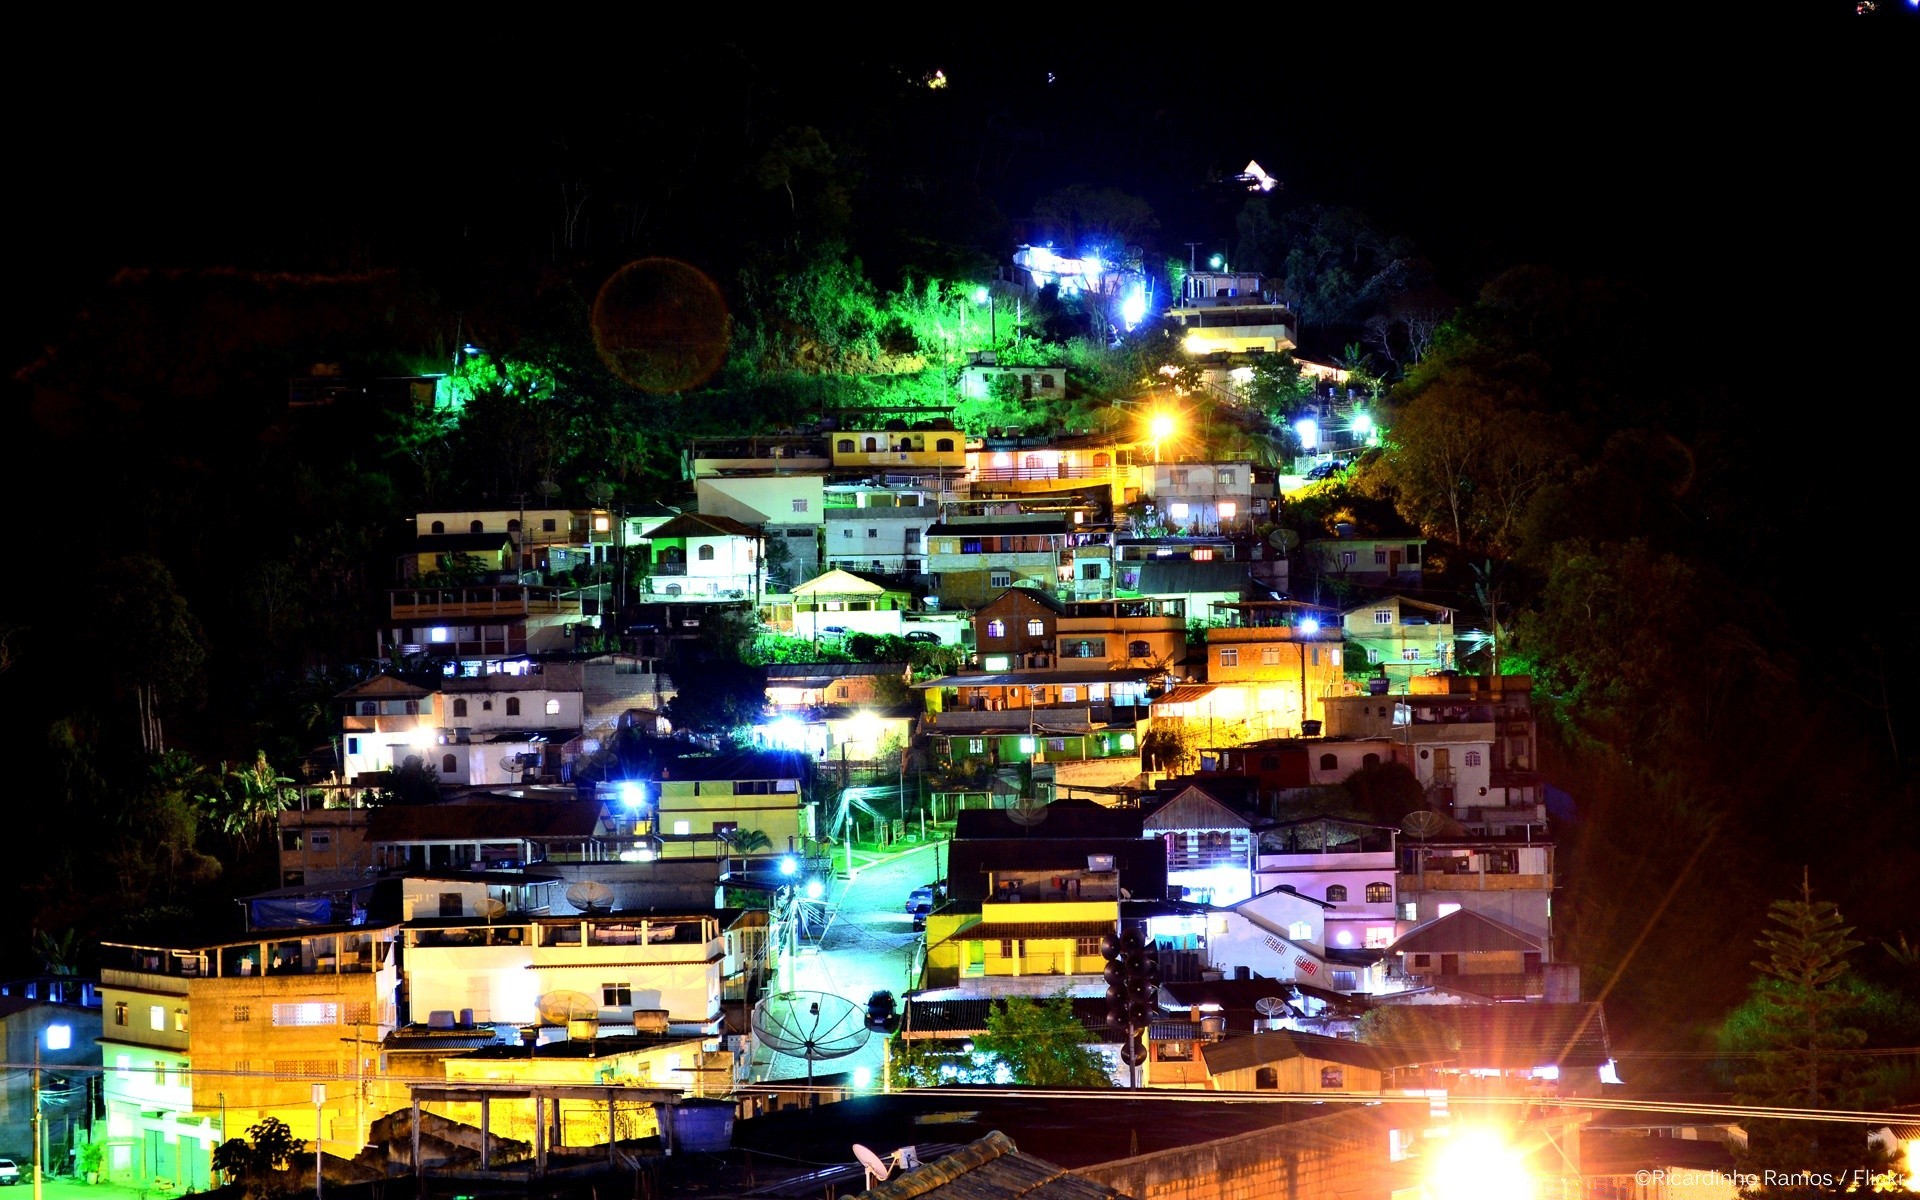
(1069, 695)
(1026, 745)
(1383, 616)
(123, 1063)
(1230, 658)
(682, 828)
(1228, 509)
(799, 506)
(996, 662)
(157, 1016)
(601, 525)
(1036, 628)
(1410, 653)
(1379, 937)
(59, 1037)
(310, 1013)
(1177, 511)
(1379, 893)
(976, 745)
(1204, 553)
(1448, 909)
(1348, 558)
(996, 629)
(1126, 741)
(437, 634)
(1299, 931)
(553, 708)
(1410, 910)
(179, 1020)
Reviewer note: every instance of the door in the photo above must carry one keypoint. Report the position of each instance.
(1449, 964)
(1393, 562)
(976, 958)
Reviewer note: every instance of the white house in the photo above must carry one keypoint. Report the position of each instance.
(701, 557)
(1205, 497)
(1346, 866)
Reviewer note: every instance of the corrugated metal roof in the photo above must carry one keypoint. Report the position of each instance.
(1463, 932)
(1186, 693)
(1036, 930)
(991, 1169)
(1241, 1051)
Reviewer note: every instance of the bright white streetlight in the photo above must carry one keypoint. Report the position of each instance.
(815, 889)
(1479, 1164)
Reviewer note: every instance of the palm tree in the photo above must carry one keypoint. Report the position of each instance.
(253, 798)
(750, 841)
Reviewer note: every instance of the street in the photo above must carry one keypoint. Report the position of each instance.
(868, 947)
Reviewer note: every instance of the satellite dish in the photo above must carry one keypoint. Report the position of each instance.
(493, 909)
(576, 1012)
(1270, 1006)
(877, 1168)
(1027, 810)
(1423, 823)
(591, 897)
(1283, 539)
(815, 1026)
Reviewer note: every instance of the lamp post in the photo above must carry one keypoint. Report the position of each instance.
(319, 1100)
(1161, 427)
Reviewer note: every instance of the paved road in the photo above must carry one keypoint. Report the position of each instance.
(868, 947)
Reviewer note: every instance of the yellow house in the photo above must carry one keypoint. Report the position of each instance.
(704, 801)
(640, 1061)
(1047, 938)
(485, 553)
(879, 439)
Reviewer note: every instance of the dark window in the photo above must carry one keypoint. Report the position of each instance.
(873, 444)
(449, 765)
(1329, 762)
(616, 995)
(120, 1012)
(513, 525)
(477, 527)
(705, 554)
(459, 708)
(944, 445)
(1006, 947)
(547, 525)
(292, 839)
(1413, 556)
(846, 446)
(513, 706)
(1139, 650)
(1333, 1077)
(1370, 760)
(1336, 894)
(1379, 893)
(439, 526)
(450, 905)
(368, 708)
(1266, 1079)
(293, 878)
(413, 708)
(1046, 381)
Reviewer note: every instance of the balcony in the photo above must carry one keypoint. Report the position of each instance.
(1489, 882)
(1039, 474)
(472, 602)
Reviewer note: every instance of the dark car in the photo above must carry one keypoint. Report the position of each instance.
(920, 901)
(1326, 470)
(921, 635)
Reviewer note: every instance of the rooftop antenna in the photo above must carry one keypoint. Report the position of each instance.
(815, 1026)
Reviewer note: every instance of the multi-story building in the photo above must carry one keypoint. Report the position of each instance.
(201, 1038)
(1269, 669)
(1103, 466)
(545, 538)
(1349, 866)
(1016, 629)
(1402, 636)
(1121, 633)
(790, 453)
(1209, 497)
(704, 801)
(1507, 879)
(1223, 312)
(786, 506)
(974, 558)
(879, 529)
(706, 558)
(1470, 740)
(909, 439)
(384, 720)
(476, 622)
(1211, 845)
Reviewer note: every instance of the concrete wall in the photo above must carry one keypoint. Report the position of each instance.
(1342, 1154)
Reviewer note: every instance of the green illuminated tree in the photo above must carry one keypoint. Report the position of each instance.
(1042, 1043)
(1795, 1026)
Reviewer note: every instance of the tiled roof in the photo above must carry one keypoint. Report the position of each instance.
(1464, 931)
(1037, 930)
(1241, 1051)
(688, 525)
(991, 1169)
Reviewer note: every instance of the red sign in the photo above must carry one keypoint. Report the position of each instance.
(1306, 964)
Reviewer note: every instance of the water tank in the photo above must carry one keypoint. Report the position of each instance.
(702, 1126)
(466, 1018)
(1213, 1026)
(1309, 729)
(1378, 685)
(649, 1020)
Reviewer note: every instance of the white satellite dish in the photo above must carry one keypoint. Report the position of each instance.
(576, 1012)
(1270, 1006)
(590, 897)
(877, 1168)
(493, 909)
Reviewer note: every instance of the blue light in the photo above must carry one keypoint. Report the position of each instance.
(1309, 626)
(633, 795)
(788, 866)
(1133, 309)
(1309, 431)
(815, 889)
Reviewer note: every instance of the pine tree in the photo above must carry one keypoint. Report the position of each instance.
(1793, 1023)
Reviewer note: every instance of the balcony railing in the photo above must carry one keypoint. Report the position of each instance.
(505, 600)
(1038, 474)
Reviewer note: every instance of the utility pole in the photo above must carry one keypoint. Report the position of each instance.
(319, 1099)
(39, 1158)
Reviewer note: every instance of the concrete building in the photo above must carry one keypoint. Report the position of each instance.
(63, 1039)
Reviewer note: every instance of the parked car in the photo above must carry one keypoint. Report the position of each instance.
(1326, 470)
(921, 635)
(9, 1172)
(834, 630)
(920, 901)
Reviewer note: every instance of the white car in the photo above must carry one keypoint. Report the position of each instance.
(9, 1172)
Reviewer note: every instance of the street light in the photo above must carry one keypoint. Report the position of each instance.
(1161, 426)
(1479, 1164)
(1218, 262)
(983, 296)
